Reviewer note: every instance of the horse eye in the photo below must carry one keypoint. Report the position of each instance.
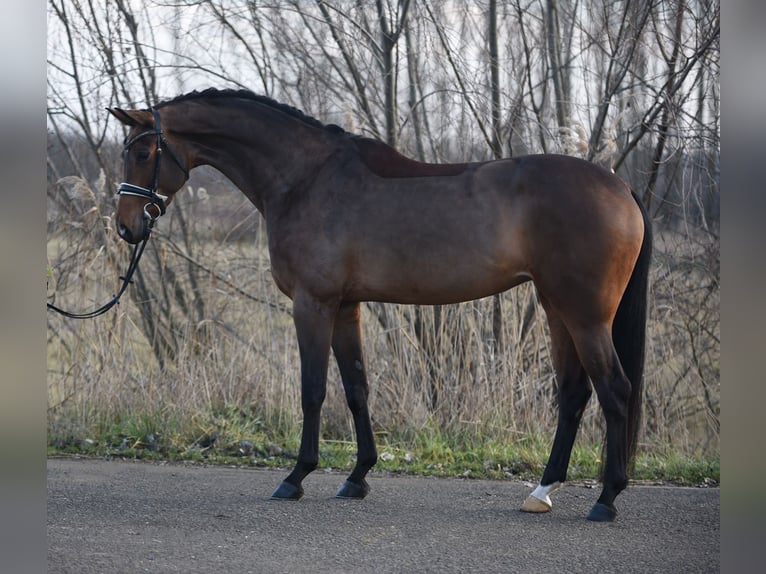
(142, 155)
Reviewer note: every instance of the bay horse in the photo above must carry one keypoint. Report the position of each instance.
(350, 220)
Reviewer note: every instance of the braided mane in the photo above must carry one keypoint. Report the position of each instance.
(213, 93)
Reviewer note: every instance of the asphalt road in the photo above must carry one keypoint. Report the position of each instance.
(131, 517)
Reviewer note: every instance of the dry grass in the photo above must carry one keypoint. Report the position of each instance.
(210, 332)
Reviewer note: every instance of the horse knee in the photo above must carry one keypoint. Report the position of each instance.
(356, 398)
(312, 400)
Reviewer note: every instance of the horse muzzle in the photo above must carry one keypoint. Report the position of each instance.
(133, 234)
(136, 226)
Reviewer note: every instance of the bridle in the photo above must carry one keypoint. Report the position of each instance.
(155, 199)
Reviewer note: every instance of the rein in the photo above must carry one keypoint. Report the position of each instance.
(155, 199)
(138, 250)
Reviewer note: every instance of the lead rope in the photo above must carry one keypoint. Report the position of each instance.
(138, 250)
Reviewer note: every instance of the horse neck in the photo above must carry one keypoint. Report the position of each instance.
(263, 152)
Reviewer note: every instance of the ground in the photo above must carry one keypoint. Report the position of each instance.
(119, 516)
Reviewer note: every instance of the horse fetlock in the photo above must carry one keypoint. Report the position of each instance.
(306, 467)
(361, 469)
(368, 462)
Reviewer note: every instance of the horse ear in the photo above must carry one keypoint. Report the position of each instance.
(132, 117)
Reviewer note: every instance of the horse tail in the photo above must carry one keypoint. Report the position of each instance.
(629, 332)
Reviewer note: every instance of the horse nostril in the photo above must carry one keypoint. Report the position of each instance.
(125, 233)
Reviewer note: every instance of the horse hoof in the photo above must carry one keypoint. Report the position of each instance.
(287, 491)
(534, 504)
(602, 513)
(353, 490)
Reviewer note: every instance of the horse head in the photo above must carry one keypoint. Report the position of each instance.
(150, 183)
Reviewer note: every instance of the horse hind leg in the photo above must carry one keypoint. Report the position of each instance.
(613, 389)
(574, 391)
(347, 347)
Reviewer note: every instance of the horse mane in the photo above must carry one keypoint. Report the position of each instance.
(214, 93)
(379, 157)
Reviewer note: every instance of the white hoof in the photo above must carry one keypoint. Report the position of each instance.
(540, 501)
(532, 504)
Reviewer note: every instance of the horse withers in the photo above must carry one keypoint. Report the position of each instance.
(351, 220)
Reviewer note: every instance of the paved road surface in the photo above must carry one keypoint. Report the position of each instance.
(132, 517)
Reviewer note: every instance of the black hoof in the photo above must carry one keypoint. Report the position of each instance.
(602, 513)
(353, 490)
(287, 491)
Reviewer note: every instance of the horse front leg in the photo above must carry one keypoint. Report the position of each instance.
(313, 325)
(347, 347)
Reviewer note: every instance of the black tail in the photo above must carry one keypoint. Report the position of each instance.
(629, 332)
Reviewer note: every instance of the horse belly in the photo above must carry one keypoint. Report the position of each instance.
(435, 276)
